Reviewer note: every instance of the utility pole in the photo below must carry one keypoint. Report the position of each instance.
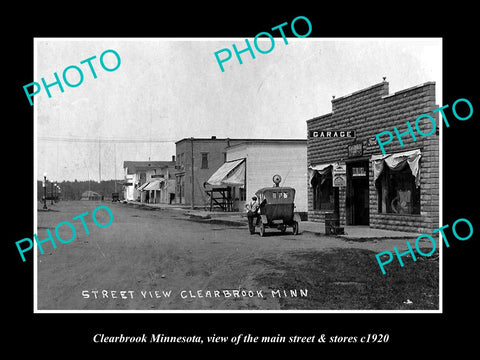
(193, 181)
(115, 164)
(44, 191)
(99, 163)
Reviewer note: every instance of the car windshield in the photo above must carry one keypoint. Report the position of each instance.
(274, 196)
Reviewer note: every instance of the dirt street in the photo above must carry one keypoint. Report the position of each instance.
(162, 260)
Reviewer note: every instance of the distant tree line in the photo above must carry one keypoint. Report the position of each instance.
(73, 190)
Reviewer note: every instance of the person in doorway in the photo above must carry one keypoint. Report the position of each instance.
(252, 213)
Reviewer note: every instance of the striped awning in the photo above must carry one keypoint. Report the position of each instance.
(142, 187)
(154, 185)
(230, 173)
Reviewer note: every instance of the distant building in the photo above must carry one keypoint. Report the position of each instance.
(149, 181)
(208, 155)
(251, 164)
(91, 195)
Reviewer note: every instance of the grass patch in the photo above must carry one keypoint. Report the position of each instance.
(350, 279)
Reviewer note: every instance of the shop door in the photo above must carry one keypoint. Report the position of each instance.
(358, 193)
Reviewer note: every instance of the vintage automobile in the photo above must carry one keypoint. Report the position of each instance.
(277, 209)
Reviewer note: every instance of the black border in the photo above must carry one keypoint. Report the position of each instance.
(426, 332)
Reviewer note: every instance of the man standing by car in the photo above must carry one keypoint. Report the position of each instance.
(252, 213)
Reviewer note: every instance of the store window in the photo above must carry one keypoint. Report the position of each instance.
(243, 194)
(180, 160)
(323, 194)
(204, 161)
(143, 178)
(397, 192)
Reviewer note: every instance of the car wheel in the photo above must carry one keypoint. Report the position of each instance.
(295, 228)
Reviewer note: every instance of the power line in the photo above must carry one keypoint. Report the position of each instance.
(104, 140)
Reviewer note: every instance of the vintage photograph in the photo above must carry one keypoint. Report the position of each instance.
(212, 175)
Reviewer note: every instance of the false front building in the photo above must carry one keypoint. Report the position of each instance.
(196, 160)
(150, 181)
(349, 176)
(251, 164)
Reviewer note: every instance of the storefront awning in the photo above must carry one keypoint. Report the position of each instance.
(142, 187)
(230, 173)
(321, 169)
(154, 185)
(397, 162)
(236, 177)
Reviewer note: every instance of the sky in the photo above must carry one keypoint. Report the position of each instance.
(168, 89)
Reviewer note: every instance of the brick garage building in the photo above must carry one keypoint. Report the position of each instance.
(396, 191)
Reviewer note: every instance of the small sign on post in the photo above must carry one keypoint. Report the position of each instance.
(339, 174)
